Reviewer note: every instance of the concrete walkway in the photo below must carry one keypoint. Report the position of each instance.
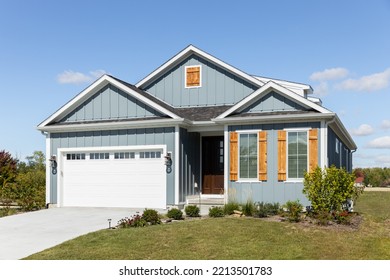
(24, 234)
(377, 189)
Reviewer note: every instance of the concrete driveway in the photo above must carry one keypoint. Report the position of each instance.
(24, 234)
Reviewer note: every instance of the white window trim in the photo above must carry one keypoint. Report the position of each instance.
(256, 179)
(292, 180)
(200, 76)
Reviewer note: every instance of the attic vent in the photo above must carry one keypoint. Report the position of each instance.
(193, 76)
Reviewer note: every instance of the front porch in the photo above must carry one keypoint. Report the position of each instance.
(204, 202)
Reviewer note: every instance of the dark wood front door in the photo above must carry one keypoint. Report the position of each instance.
(212, 165)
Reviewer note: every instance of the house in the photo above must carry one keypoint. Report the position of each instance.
(195, 124)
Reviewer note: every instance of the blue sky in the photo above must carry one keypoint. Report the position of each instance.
(51, 50)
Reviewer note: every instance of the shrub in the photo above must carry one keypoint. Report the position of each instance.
(216, 212)
(330, 189)
(343, 217)
(175, 214)
(263, 210)
(294, 209)
(30, 190)
(151, 216)
(133, 221)
(230, 207)
(248, 208)
(192, 210)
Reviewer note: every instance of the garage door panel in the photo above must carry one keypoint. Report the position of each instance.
(136, 182)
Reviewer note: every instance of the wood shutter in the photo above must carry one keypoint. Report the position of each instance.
(282, 175)
(193, 76)
(262, 152)
(313, 149)
(233, 156)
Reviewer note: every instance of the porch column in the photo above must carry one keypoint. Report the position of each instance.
(226, 162)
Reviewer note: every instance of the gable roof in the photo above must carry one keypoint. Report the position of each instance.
(185, 53)
(268, 87)
(99, 84)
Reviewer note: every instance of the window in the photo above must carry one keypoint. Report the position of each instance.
(124, 155)
(75, 156)
(151, 154)
(97, 156)
(248, 156)
(192, 76)
(297, 154)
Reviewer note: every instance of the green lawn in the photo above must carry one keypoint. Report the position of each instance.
(239, 238)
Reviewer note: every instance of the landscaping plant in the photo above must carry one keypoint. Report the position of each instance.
(294, 209)
(175, 214)
(151, 216)
(230, 207)
(330, 189)
(216, 212)
(192, 211)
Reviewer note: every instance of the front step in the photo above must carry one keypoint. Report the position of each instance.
(205, 200)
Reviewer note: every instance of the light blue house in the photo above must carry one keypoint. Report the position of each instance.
(194, 125)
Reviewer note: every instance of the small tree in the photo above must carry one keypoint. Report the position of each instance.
(330, 189)
(8, 173)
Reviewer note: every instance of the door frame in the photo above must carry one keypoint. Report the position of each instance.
(212, 134)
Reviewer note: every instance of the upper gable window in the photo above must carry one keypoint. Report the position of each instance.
(193, 76)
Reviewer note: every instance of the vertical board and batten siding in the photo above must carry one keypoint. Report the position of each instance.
(127, 137)
(219, 87)
(189, 167)
(271, 190)
(342, 158)
(110, 103)
(273, 102)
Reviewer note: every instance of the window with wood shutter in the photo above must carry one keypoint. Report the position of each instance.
(233, 156)
(297, 153)
(313, 149)
(282, 176)
(248, 156)
(262, 155)
(193, 76)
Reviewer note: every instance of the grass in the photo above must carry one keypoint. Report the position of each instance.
(239, 238)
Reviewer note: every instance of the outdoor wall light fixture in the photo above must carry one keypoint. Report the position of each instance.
(53, 164)
(168, 162)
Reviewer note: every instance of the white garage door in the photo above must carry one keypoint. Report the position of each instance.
(130, 178)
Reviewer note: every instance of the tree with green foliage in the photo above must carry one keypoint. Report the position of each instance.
(330, 189)
(31, 182)
(8, 172)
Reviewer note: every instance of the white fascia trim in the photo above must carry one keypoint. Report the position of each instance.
(342, 133)
(96, 86)
(288, 84)
(142, 98)
(256, 95)
(188, 51)
(111, 125)
(275, 118)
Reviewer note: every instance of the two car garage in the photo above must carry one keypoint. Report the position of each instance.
(112, 177)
